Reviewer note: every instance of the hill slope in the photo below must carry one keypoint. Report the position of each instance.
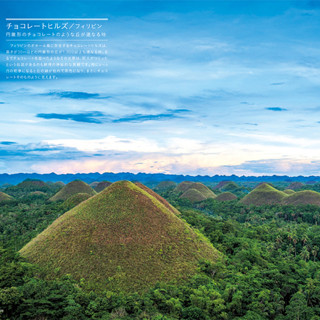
(122, 239)
(5, 197)
(226, 196)
(102, 185)
(193, 195)
(195, 191)
(74, 187)
(263, 194)
(303, 197)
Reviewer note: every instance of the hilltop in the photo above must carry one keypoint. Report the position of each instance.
(183, 186)
(72, 188)
(122, 239)
(226, 196)
(102, 185)
(263, 194)
(165, 185)
(193, 195)
(194, 191)
(303, 197)
(295, 185)
(221, 184)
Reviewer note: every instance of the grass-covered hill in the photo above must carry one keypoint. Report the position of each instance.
(33, 185)
(295, 185)
(5, 197)
(74, 187)
(289, 191)
(158, 197)
(102, 185)
(226, 196)
(303, 197)
(122, 239)
(221, 184)
(165, 185)
(264, 194)
(25, 187)
(74, 200)
(193, 195)
(183, 186)
(195, 191)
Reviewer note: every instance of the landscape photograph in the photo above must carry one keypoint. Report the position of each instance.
(160, 160)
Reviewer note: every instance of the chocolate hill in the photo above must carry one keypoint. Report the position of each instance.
(303, 197)
(74, 187)
(221, 184)
(102, 185)
(74, 200)
(226, 196)
(165, 185)
(195, 191)
(183, 186)
(122, 239)
(295, 185)
(5, 197)
(264, 194)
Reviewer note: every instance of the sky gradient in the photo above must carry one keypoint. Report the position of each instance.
(206, 87)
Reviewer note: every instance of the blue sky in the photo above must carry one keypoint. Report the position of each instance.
(206, 87)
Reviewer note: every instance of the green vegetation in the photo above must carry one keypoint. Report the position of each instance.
(269, 268)
(122, 239)
(263, 194)
(102, 185)
(289, 191)
(74, 187)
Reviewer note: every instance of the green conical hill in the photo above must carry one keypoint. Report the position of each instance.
(289, 191)
(122, 239)
(263, 194)
(193, 195)
(158, 197)
(295, 185)
(30, 185)
(5, 197)
(102, 185)
(183, 186)
(303, 197)
(221, 184)
(74, 200)
(74, 187)
(94, 184)
(196, 191)
(226, 196)
(165, 185)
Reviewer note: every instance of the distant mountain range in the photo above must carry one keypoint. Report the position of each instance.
(144, 177)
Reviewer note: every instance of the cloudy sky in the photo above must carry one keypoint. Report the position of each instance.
(194, 87)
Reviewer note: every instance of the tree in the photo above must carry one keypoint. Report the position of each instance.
(298, 308)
